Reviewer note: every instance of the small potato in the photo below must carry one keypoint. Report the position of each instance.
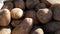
(14, 23)
(16, 13)
(56, 11)
(24, 27)
(57, 32)
(40, 6)
(5, 17)
(50, 2)
(51, 27)
(31, 3)
(19, 4)
(5, 31)
(44, 15)
(8, 5)
(38, 31)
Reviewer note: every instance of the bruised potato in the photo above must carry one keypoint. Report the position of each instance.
(24, 27)
(16, 13)
(5, 17)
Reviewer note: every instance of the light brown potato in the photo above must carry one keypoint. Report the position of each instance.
(44, 15)
(5, 17)
(56, 11)
(38, 31)
(51, 2)
(5, 31)
(8, 5)
(19, 4)
(14, 23)
(31, 3)
(24, 27)
(16, 13)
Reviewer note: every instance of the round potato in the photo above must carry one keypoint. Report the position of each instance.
(16, 13)
(44, 15)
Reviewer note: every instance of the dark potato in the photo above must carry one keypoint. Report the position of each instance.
(31, 3)
(44, 15)
(5, 17)
(51, 27)
(8, 5)
(56, 11)
(24, 27)
(16, 13)
(19, 4)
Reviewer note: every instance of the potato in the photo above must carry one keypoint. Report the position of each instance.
(16, 13)
(31, 3)
(24, 27)
(14, 23)
(44, 15)
(5, 31)
(51, 2)
(8, 5)
(56, 11)
(57, 32)
(5, 17)
(38, 31)
(40, 6)
(51, 27)
(19, 4)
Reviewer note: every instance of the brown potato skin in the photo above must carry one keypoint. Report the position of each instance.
(8, 5)
(16, 13)
(31, 3)
(19, 4)
(44, 17)
(56, 11)
(24, 27)
(5, 17)
(14, 23)
(51, 27)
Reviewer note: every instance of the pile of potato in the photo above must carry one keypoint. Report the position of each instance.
(30, 17)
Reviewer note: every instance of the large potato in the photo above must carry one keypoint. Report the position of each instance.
(24, 27)
(44, 15)
(5, 17)
(16, 13)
